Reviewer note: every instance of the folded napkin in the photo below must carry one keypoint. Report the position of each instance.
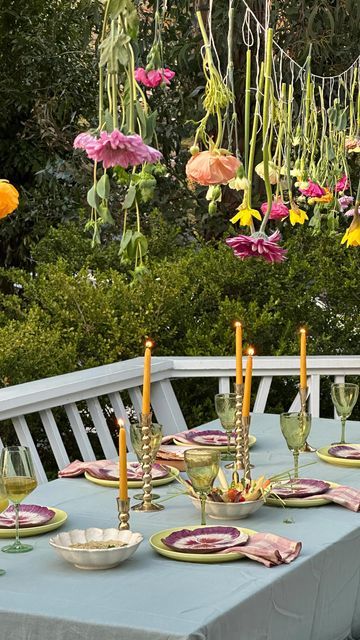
(268, 548)
(345, 496)
(78, 467)
(174, 436)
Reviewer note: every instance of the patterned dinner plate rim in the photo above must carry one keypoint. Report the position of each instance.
(323, 454)
(252, 441)
(313, 501)
(135, 484)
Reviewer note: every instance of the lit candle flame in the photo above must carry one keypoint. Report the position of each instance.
(251, 351)
(149, 343)
(121, 423)
(237, 323)
(302, 330)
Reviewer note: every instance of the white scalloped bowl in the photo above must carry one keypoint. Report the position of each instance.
(95, 558)
(229, 510)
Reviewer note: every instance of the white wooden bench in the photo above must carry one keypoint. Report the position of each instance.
(104, 386)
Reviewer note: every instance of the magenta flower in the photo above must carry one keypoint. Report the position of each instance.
(115, 148)
(279, 210)
(345, 201)
(313, 190)
(154, 77)
(83, 140)
(258, 245)
(342, 184)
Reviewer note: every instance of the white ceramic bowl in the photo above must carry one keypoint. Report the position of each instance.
(229, 510)
(95, 558)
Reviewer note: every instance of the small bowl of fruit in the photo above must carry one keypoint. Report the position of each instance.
(234, 502)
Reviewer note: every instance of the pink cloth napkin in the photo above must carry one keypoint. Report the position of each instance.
(345, 496)
(78, 467)
(268, 548)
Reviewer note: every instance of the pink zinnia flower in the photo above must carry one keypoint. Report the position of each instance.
(278, 210)
(345, 201)
(342, 184)
(258, 245)
(83, 140)
(313, 190)
(115, 148)
(349, 213)
(154, 77)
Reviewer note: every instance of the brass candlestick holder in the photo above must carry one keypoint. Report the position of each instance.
(239, 436)
(247, 466)
(147, 503)
(307, 448)
(123, 513)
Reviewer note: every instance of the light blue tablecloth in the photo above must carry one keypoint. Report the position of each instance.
(317, 597)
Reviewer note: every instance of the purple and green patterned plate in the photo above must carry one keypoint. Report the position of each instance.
(30, 515)
(204, 539)
(208, 438)
(347, 451)
(156, 541)
(340, 455)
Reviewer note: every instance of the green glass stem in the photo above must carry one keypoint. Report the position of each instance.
(343, 423)
(229, 444)
(296, 463)
(203, 497)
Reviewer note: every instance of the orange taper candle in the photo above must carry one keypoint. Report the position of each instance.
(147, 377)
(238, 351)
(123, 484)
(247, 385)
(303, 376)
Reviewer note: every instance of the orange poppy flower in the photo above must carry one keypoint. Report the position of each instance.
(212, 167)
(9, 198)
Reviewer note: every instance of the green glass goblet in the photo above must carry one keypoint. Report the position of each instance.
(344, 396)
(202, 466)
(3, 504)
(155, 442)
(17, 471)
(295, 428)
(225, 406)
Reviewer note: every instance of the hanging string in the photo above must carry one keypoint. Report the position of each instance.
(286, 55)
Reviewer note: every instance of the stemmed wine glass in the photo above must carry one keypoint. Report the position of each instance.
(295, 428)
(344, 396)
(156, 434)
(202, 467)
(3, 504)
(225, 406)
(17, 471)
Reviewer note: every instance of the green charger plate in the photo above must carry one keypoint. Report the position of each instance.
(59, 518)
(324, 455)
(314, 501)
(135, 484)
(221, 448)
(205, 558)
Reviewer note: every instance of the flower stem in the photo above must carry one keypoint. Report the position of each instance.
(114, 80)
(266, 123)
(254, 131)
(247, 108)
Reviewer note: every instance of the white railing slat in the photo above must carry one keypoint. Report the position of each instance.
(120, 412)
(136, 399)
(101, 427)
(262, 394)
(166, 407)
(79, 431)
(315, 396)
(224, 385)
(54, 438)
(25, 438)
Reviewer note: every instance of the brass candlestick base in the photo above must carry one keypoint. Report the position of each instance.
(307, 448)
(123, 513)
(147, 503)
(239, 436)
(247, 466)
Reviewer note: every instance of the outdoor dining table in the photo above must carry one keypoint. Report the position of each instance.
(150, 597)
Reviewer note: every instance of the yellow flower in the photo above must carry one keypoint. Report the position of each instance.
(297, 216)
(9, 198)
(239, 184)
(352, 234)
(245, 215)
(325, 199)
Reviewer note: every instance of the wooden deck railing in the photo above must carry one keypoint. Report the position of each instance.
(108, 382)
